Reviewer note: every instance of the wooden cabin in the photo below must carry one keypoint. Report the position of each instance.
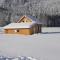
(26, 25)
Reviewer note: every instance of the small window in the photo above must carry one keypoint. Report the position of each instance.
(22, 21)
(26, 21)
(16, 30)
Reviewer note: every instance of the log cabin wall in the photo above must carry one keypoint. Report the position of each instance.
(25, 31)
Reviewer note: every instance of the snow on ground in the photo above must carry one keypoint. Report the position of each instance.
(44, 46)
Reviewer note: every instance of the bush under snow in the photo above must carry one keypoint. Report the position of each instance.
(17, 58)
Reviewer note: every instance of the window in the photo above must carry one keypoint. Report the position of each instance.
(26, 21)
(22, 21)
(16, 30)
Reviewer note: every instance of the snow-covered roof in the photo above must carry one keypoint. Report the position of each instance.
(34, 19)
(18, 25)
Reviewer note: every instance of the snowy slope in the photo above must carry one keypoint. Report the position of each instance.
(40, 46)
(51, 29)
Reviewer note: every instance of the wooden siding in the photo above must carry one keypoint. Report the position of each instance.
(25, 20)
(36, 28)
(26, 31)
(39, 28)
(21, 31)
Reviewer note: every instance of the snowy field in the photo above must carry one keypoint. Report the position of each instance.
(44, 46)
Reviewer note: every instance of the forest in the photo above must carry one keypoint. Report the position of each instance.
(48, 11)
